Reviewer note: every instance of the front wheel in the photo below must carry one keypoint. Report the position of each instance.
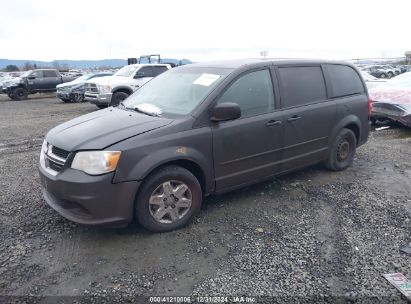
(77, 97)
(168, 199)
(342, 151)
(383, 75)
(19, 94)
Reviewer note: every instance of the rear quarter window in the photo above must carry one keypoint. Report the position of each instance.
(345, 80)
(301, 85)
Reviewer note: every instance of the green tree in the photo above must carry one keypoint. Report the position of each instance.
(11, 68)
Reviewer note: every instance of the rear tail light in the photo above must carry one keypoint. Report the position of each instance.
(369, 107)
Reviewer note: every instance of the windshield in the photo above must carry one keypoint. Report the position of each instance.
(25, 74)
(178, 91)
(403, 81)
(126, 71)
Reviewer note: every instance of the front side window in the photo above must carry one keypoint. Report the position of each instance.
(301, 85)
(48, 73)
(253, 92)
(37, 74)
(146, 71)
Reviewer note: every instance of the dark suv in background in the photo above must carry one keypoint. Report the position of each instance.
(202, 129)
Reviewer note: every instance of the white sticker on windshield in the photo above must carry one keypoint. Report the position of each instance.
(206, 79)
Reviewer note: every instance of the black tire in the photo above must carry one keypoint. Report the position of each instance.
(66, 100)
(342, 151)
(390, 75)
(383, 75)
(101, 106)
(117, 98)
(143, 209)
(19, 94)
(76, 97)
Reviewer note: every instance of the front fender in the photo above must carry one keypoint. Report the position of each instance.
(144, 166)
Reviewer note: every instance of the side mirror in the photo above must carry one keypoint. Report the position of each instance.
(139, 76)
(226, 111)
(31, 77)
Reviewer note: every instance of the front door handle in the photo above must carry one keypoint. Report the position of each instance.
(293, 118)
(273, 123)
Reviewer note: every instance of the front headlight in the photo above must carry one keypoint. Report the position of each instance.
(96, 162)
(104, 88)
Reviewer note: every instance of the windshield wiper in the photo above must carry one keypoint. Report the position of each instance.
(146, 108)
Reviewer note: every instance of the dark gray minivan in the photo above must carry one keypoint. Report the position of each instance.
(202, 129)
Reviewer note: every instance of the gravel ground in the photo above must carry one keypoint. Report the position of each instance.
(309, 236)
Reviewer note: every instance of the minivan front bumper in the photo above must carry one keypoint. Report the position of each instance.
(89, 200)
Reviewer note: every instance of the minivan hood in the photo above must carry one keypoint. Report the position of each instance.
(100, 129)
(110, 80)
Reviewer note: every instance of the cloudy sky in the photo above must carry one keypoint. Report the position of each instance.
(203, 30)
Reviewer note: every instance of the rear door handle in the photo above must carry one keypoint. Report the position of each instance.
(273, 123)
(293, 118)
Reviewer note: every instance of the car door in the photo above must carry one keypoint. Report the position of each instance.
(248, 148)
(308, 115)
(35, 80)
(144, 74)
(51, 80)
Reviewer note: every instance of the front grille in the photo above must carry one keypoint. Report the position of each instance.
(55, 166)
(91, 88)
(55, 158)
(60, 152)
(63, 89)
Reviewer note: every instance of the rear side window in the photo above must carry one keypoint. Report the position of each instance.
(344, 80)
(301, 85)
(253, 92)
(159, 69)
(48, 73)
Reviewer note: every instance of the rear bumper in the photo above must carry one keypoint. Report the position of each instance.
(98, 99)
(89, 200)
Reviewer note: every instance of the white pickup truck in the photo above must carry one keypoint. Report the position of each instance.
(111, 90)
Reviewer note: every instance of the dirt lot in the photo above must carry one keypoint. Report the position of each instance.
(312, 235)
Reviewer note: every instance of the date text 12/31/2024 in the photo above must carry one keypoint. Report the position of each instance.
(203, 299)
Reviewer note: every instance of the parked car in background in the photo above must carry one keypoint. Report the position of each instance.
(380, 71)
(392, 101)
(397, 70)
(372, 81)
(73, 91)
(202, 129)
(111, 90)
(34, 81)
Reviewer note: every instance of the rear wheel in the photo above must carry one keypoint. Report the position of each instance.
(383, 75)
(390, 75)
(19, 94)
(101, 106)
(342, 151)
(168, 199)
(117, 98)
